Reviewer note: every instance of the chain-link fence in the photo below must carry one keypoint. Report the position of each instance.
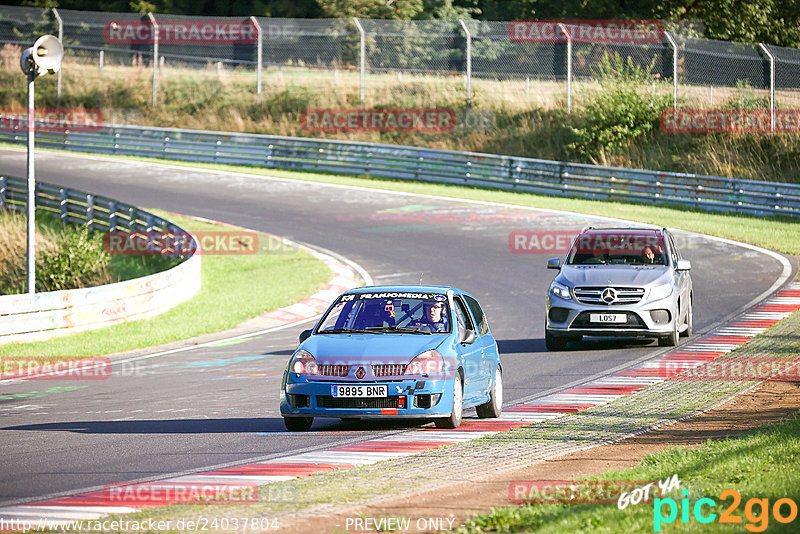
(385, 62)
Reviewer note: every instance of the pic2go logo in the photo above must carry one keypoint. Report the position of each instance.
(757, 522)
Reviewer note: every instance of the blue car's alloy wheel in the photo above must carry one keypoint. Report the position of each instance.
(494, 407)
(454, 421)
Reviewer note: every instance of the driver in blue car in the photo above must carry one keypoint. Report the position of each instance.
(434, 316)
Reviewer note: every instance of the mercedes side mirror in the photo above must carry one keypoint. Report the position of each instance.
(554, 263)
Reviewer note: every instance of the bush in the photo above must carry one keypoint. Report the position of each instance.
(80, 261)
(67, 257)
(746, 98)
(622, 111)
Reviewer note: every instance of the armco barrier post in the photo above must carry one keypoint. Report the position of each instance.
(363, 57)
(62, 205)
(771, 59)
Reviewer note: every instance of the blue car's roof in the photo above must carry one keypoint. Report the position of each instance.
(405, 288)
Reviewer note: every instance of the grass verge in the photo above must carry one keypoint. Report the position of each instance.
(760, 465)
(234, 288)
(509, 116)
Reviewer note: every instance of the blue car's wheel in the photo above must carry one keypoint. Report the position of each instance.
(454, 421)
(494, 407)
(298, 424)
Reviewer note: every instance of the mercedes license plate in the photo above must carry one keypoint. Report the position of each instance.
(608, 318)
(359, 391)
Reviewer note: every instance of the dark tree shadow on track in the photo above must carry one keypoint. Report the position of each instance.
(534, 345)
(162, 426)
(216, 426)
(516, 346)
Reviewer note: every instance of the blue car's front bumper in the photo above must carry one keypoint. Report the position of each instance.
(413, 398)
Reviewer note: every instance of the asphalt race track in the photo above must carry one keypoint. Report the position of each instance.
(186, 411)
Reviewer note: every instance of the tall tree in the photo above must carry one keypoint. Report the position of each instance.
(371, 9)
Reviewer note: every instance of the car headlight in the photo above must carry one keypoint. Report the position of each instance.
(428, 363)
(660, 292)
(560, 291)
(303, 363)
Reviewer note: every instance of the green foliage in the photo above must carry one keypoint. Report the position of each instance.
(79, 261)
(621, 112)
(614, 70)
(746, 98)
(371, 9)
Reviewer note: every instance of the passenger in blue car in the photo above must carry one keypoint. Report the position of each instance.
(434, 316)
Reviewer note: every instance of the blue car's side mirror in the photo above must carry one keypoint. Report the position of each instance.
(305, 334)
(468, 337)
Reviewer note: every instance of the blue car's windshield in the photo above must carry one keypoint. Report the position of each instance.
(388, 312)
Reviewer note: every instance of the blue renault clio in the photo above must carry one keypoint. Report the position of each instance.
(395, 352)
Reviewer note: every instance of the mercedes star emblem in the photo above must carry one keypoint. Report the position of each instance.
(608, 295)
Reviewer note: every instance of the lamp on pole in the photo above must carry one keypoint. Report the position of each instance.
(43, 57)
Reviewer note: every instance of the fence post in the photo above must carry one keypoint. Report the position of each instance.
(3, 187)
(771, 86)
(363, 62)
(102, 55)
(469, 62)
(155, 57)
(674, 46)
(60, 38)
(569, 66)
(259, 57)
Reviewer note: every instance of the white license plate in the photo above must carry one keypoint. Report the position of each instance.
(359, 391)
(608, 318)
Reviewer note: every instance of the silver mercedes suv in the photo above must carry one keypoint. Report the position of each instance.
(619, 282)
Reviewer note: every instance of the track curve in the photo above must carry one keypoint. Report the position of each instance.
(186, 412)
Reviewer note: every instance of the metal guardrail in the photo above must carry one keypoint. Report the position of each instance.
(77, 207)
(556, 178)
(27, 317)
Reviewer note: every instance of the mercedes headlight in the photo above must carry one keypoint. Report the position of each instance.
(660, 292)
(560, 291)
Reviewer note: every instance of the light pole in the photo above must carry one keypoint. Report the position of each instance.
(43, 57)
